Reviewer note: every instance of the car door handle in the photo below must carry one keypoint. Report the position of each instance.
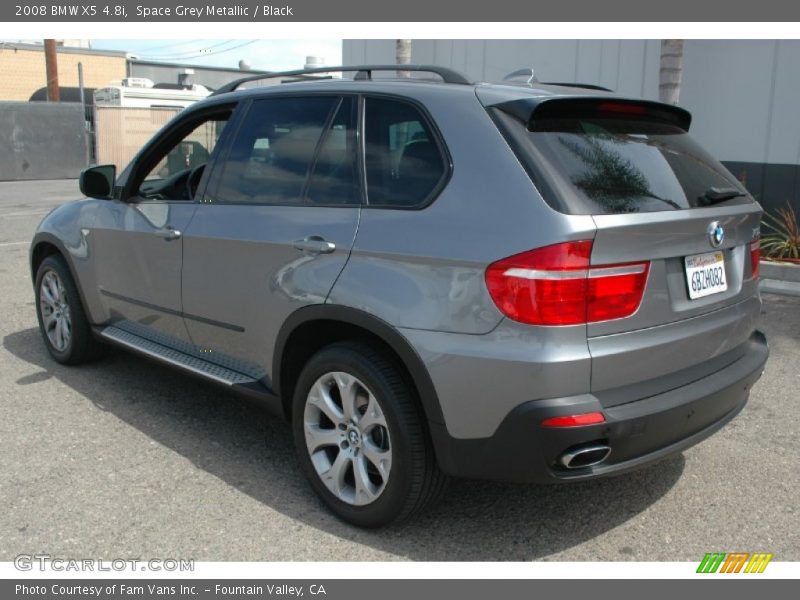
(168, 233)
(314, 244)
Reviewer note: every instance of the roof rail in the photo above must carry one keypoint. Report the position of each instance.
(363, 73)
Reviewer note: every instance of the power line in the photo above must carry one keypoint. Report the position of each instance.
(172, 45)
(178, 55)
(191, 52)
(204, 54)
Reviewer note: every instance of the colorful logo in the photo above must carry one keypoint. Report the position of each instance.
(734, 562)
(716, 234)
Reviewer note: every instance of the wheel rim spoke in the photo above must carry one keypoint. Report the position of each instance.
(372, 416)
(320, 397)
(365, 490)
(59, 333)
(66, 328)
(47, 295)
(48, 318)
(348, 388)
(55, 289)
(318, 437)
(381, 459)
(334, 477)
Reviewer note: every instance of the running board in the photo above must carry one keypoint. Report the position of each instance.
(176, 358)
(240, 383)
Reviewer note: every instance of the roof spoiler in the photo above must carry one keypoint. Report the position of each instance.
(529, 110)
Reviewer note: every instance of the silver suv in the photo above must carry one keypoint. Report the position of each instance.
(536, 283)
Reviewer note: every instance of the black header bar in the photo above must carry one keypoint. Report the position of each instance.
(711, 11)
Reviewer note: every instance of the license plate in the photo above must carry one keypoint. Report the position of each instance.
(705, 274)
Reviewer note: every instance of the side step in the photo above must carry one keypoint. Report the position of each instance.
(179, 359)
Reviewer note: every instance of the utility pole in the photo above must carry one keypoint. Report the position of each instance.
(51, 66)
(671, 71)
(402, 50)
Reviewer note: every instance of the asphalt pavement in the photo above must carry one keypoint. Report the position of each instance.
(128, 459)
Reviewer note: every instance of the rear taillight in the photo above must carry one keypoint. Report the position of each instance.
(556, 285)
(755, 257)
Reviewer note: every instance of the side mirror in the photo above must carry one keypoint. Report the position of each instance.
(98, 182)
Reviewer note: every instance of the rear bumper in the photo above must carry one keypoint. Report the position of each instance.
(638, 432)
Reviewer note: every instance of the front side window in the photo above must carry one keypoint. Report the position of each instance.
(403, 161)
(292, 150)
(176, 170)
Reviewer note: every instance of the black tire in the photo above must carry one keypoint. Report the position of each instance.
(415, 480)
(82, 346)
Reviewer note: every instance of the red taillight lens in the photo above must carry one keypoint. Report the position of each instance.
(592, 418)
(616, 291)
(555, 285)
(755, 257)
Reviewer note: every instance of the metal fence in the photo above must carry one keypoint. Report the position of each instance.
(121, 132)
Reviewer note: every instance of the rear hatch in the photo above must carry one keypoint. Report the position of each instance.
(657, 199)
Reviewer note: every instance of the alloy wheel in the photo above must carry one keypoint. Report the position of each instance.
(347, 438)
(55, 310)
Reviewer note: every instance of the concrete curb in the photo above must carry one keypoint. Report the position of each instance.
(780, 271)
(780, 278)
(776, 286)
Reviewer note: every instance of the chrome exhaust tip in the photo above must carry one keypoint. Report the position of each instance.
(584, 456)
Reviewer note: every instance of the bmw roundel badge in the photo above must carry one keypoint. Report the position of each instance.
(716, 234)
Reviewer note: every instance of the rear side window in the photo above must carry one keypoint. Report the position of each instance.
(334, 179)
(404, 162)
(275, 146)
(609, 164)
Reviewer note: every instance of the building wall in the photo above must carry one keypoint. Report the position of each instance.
(745, 99)
(629, 66)
(22, 70)
(744, 95)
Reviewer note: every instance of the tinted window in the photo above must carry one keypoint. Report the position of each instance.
(274, 148)
(175, 172)
(404, 163)
(335, 176)
(600, 165)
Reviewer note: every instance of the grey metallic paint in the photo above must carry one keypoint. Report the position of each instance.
(421, 272)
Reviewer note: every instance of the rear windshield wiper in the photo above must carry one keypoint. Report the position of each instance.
(715, 195)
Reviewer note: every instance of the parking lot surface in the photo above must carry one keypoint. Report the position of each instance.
(128, 459)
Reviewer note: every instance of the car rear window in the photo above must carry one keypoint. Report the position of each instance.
(609, 164)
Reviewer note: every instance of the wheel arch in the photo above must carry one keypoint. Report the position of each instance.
(310, 328)
(41, 248)
(46, 244)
